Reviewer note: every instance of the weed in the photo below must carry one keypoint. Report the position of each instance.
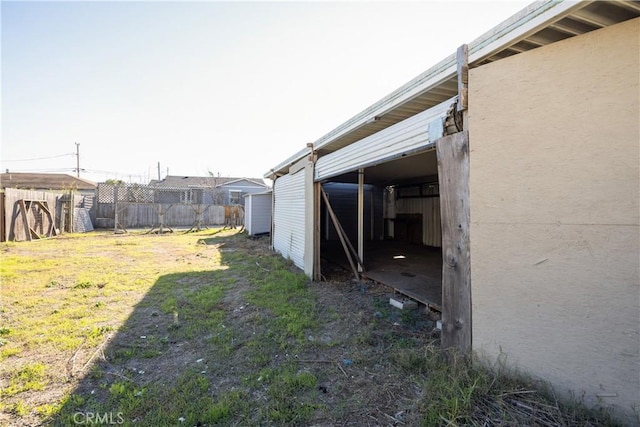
(413, 361)
(95, 373)
(20, 408)
(182, 297)
(290, 394)
(30, 377)
(47, 410)
(83, 285)
(75, 401)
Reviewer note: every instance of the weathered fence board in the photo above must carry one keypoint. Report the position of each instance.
(145, 215)
(15, 228)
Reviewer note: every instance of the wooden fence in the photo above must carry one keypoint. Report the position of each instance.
(24, 217)
(149, 206)
(147, 215)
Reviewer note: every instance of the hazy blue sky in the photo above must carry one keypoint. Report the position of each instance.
(228, 87)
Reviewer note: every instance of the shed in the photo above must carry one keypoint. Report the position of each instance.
(257, 213)
(501, 187)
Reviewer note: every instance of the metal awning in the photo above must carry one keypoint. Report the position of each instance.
(539, 24)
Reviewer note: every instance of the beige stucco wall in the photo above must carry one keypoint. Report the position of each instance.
(555, 184)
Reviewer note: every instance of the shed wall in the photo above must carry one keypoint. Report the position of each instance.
(289, 217)
(344, 202)
(258, 213)
(554, 198)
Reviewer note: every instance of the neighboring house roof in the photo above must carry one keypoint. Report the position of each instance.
(202, 181)
(541, 23)
(44, 181)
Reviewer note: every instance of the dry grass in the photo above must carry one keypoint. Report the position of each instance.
(212, 328)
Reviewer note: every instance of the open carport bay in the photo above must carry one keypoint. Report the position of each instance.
(401, 225)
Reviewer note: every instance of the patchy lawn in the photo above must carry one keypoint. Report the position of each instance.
(212, 328)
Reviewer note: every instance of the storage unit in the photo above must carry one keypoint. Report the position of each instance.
(257, 215)
(518, 155)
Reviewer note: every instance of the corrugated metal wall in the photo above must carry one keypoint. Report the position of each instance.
(429, 207)
(258, 213)
(344, 202)
(289, 217)
(404, 137)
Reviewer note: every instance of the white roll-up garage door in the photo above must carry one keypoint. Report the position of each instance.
(289, 217)
(408, 136)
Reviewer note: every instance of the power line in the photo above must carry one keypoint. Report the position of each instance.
(40, 158)
(43, 170)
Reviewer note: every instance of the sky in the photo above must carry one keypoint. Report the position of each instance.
(229, 88)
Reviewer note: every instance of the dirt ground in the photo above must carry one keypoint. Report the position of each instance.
(363, 363)
(359, 379)
(361, 382)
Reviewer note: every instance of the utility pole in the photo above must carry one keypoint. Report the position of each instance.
(159, 171)
(78, 160)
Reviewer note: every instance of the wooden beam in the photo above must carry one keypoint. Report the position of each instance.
(44, 207)
(22, 206)
(463, 76)
(341, 235)
(360, 218)
(453, 170)
(317, 264)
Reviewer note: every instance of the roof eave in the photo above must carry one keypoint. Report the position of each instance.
(529, 20)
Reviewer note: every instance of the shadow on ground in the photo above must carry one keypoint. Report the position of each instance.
(250, 342)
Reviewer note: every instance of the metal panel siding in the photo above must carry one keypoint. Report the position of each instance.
(407, 136)
(248, 215)
(344, 202)
(258, 213)
(430, 209)
(289, 217)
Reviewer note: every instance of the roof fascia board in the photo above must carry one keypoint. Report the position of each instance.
(527, 21)
(509, 32)
(283, 167)
(435, 75)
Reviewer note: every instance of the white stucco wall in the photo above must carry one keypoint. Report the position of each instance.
(555, 184)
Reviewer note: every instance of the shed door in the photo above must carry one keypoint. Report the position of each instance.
(289, 217)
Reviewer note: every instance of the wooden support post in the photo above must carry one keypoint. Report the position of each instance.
(23, 206)
(317, 264)
(360, 217)
(463, 76)
(453, 170)
(115, 209)
(72, 204)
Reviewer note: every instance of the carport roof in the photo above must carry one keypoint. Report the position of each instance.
(539, 24)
